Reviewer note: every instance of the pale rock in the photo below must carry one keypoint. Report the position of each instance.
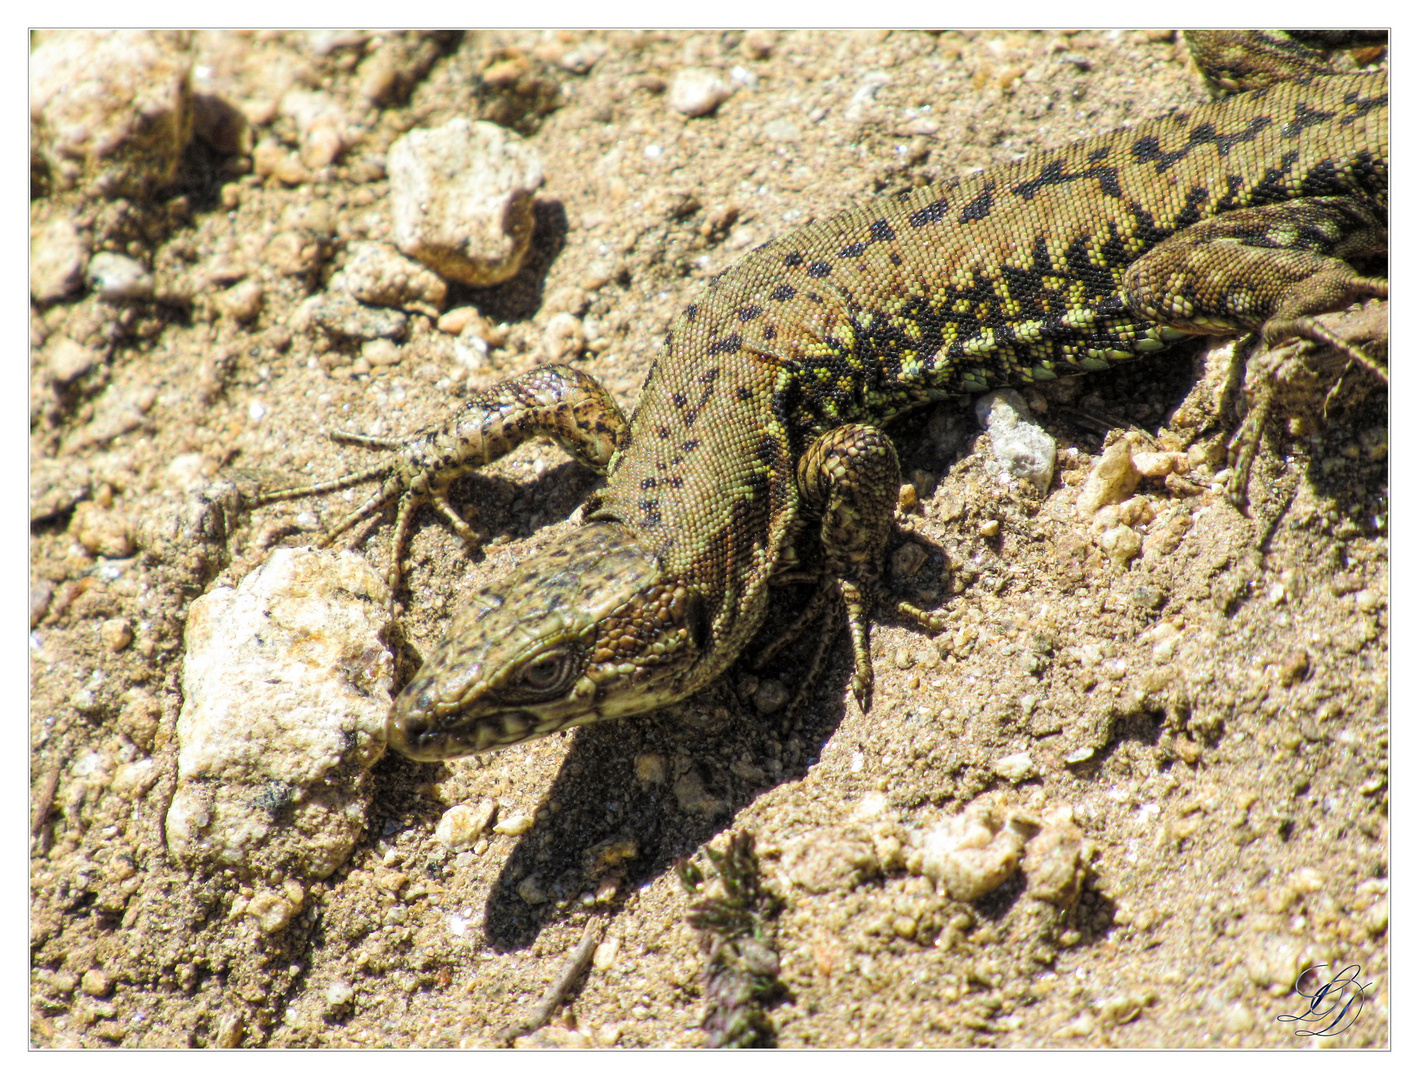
(286, 689)
(462, 199)
(698, 91)
(58, 255)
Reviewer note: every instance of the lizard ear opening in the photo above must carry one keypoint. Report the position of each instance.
(697, 619)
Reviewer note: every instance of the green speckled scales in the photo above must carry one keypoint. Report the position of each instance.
(1010, 276)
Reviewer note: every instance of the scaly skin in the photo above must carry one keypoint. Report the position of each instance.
(760, 417)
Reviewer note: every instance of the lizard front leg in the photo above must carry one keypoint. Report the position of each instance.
(849, 479)
(560, 402)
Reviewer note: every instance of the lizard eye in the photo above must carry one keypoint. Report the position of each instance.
(546, 673)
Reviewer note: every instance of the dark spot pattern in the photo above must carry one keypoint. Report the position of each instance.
(979, 207)
(724, 345)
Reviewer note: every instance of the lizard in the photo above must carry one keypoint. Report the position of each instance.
(759, 423)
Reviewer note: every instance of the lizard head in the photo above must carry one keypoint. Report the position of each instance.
(592, 631)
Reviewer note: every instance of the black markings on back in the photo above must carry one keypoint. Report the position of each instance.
(880, 230)
(819, 269)
(1149, 148)
(979, 207)
(707, 379)
(852, 251)
(793, 258)
(744, 393)
(652, 512)
(724, 345)
(648, 483)
(783, 292)
(928, 215)
(1272, 187)
(691, 312)
(1055, 173)
(1305, 117)
(749, 312)
(1362, 106)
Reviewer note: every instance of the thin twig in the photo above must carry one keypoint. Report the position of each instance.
(573, 970)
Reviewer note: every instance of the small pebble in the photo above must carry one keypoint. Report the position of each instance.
(1020, 446)
(531, 891)
(698, 91)
(341, 315)
(339, 993)
(57, 258)
(770, 697)
(650, 768)
(515, 824)
(116, 634)
(242, 302)
(68, 359)
(378, 274)
(968, 855)
(832, 859)
(117, 277)
(605, 954)
(135, 777)
(758, 43)
(97, 982)
(110, 110)
(1121, 544)
(380, 352)
(907, 560)
(1014, 767)
(272, 910)
(1055, 861)
(564, 338)
(461, 825)
(1112, 479)
(461, 199)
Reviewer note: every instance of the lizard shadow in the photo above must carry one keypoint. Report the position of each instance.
(633, 797)
(520, 297)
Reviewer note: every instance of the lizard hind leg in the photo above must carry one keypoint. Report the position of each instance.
(1266, 271)
(849, 478)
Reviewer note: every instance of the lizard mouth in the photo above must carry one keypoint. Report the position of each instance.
(430, 739)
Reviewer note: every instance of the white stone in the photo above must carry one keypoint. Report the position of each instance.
(461, 198)
(1020, 446)
(698, 91)
(286, 690)
(117, 277)
(968, 855)
(57, 258)
(461, 825)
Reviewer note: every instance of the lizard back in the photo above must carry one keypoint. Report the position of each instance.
(1009, 276)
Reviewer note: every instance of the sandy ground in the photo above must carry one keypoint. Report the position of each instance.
(1210, 715)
